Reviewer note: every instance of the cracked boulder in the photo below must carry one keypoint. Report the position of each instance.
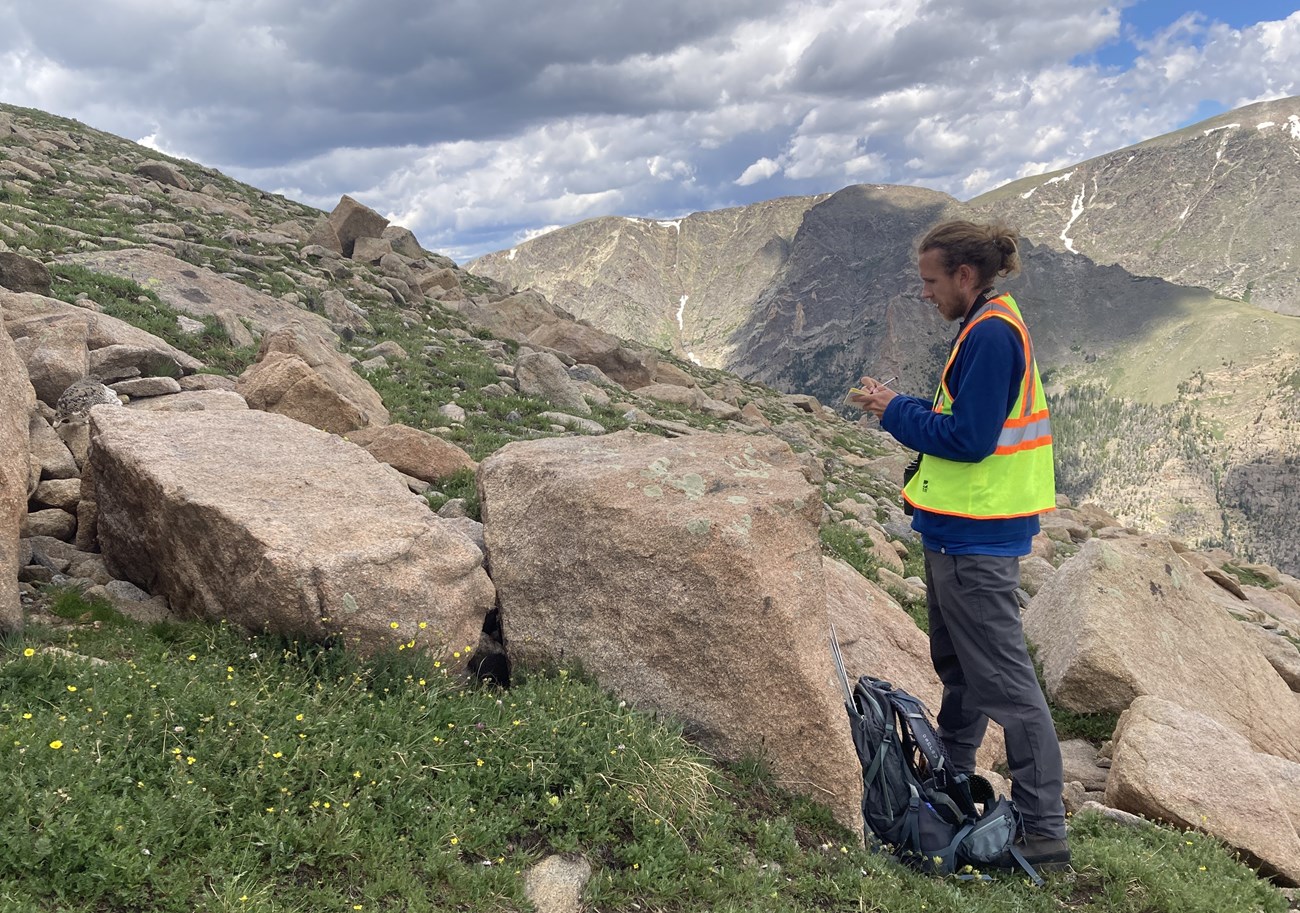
(270, 524)
(686, 576)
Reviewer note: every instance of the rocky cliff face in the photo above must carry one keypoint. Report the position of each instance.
(684, 285)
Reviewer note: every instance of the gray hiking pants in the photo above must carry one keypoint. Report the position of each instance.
(978, 648)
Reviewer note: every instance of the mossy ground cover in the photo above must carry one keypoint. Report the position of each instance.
(199, 768)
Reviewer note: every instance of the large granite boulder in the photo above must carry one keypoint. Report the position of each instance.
(878, 638)
(404, 242)
(542, 374)
(353, 220)
(1183, 767)
(686, 576)
(528, 317)
(512, 317)
(164, 173)
(632, 366)
(275, 526)
(300, 374)
(23, 274)
(1276, 604)
(57, 357)
(31, 315)
(195, 291)
(324, 235)
(50, 455)
(17, 401)
(412, 451)
(1128, 617)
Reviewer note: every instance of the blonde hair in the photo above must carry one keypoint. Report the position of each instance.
(988, 249)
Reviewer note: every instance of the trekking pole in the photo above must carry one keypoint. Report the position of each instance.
(845, 689)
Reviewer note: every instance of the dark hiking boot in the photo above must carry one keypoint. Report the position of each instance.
(1046, 854)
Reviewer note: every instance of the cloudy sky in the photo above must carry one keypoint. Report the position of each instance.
(480, 123)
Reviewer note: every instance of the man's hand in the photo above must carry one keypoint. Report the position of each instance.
(872, 396)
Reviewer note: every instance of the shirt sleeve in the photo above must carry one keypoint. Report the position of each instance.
(984, 381)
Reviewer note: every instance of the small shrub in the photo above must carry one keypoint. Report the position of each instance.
(70, 601)
(1247, 577)
(460, 484)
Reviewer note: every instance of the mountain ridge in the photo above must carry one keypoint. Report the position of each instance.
(843, 300)
(1230, 179)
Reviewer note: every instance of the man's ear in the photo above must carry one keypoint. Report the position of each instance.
(965, 275)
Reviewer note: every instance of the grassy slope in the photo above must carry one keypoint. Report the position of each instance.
(201, 769)
(1194, 341)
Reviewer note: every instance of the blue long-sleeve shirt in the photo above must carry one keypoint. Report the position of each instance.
(984, 381)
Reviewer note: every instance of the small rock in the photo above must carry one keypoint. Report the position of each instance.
(57, 524)
(189, 325)
(573, 422)
(555, 884)
(452, 412)
(142, 387)
(453, 509)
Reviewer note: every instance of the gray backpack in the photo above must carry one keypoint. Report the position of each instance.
(915, 808)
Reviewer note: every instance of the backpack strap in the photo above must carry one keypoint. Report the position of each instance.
(1029, 870)
(918, 733)
(949, 852)
(944, 804)
(874, 768)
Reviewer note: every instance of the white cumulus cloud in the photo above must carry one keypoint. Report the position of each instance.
(478, 124)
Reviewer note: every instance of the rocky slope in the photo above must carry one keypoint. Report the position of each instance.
(1211, 205)
(685, 285)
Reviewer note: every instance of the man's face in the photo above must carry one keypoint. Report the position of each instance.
(951, 293)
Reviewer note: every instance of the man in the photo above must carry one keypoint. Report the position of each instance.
(985, 475)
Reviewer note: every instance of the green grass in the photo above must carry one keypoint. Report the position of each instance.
(71, 602)
(414, 388)
(1247, 577)
(202, 769)
(852, 549)
(460, 484)
(128, 301)
(849, 548)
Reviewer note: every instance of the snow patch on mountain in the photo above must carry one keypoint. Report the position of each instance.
(681, 310)
(1076, 210)
(1224, 127)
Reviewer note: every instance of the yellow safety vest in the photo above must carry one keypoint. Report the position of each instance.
(1017, 479)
